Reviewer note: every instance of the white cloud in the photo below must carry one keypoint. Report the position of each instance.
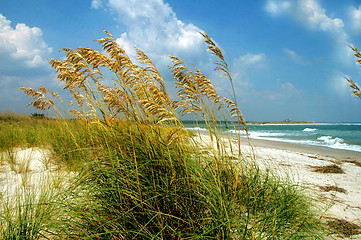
(23, 54)
(127, 45)
(153, 27)
(250, 60)
(97, 4)
(310, 14)
(277, 7)
(22, 46)
(314, 16)
(355, 14)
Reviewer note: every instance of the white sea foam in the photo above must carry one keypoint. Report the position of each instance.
(266, 134)
(329, 140)
(325, 141)
(338, 143)
(197, 129)
(241, 132)
(258, 134)
(309, 129)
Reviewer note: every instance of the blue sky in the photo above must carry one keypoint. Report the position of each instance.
(288, 57)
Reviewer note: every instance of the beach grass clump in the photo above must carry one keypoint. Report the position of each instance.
(141, 175)
(145, 189)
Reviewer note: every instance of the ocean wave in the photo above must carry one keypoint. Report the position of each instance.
(325, 141)
(254, 134)
(196, 129)
(329, 140)
(266, 134)
(241, 132)
(309, 129)
(338, 143)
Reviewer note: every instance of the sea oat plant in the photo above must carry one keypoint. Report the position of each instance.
(355, 89)
(142, 176)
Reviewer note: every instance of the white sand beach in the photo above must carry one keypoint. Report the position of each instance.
(30, 170)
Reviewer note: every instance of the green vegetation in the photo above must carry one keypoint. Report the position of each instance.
(22, 131)
(134, 172)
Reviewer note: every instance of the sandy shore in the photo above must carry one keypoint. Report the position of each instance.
(336, 195)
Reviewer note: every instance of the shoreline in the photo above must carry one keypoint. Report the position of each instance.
(337, 154)
(303, 123)
(314, 135)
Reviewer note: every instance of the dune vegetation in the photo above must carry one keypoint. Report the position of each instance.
(130, 170)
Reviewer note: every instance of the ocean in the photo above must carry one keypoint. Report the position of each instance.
(344, 136)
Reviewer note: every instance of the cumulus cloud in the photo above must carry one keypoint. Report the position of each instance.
(23, 54)
(22, 46)
(310, 14)
(152, 26)
(315, 17)
(355, 14)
